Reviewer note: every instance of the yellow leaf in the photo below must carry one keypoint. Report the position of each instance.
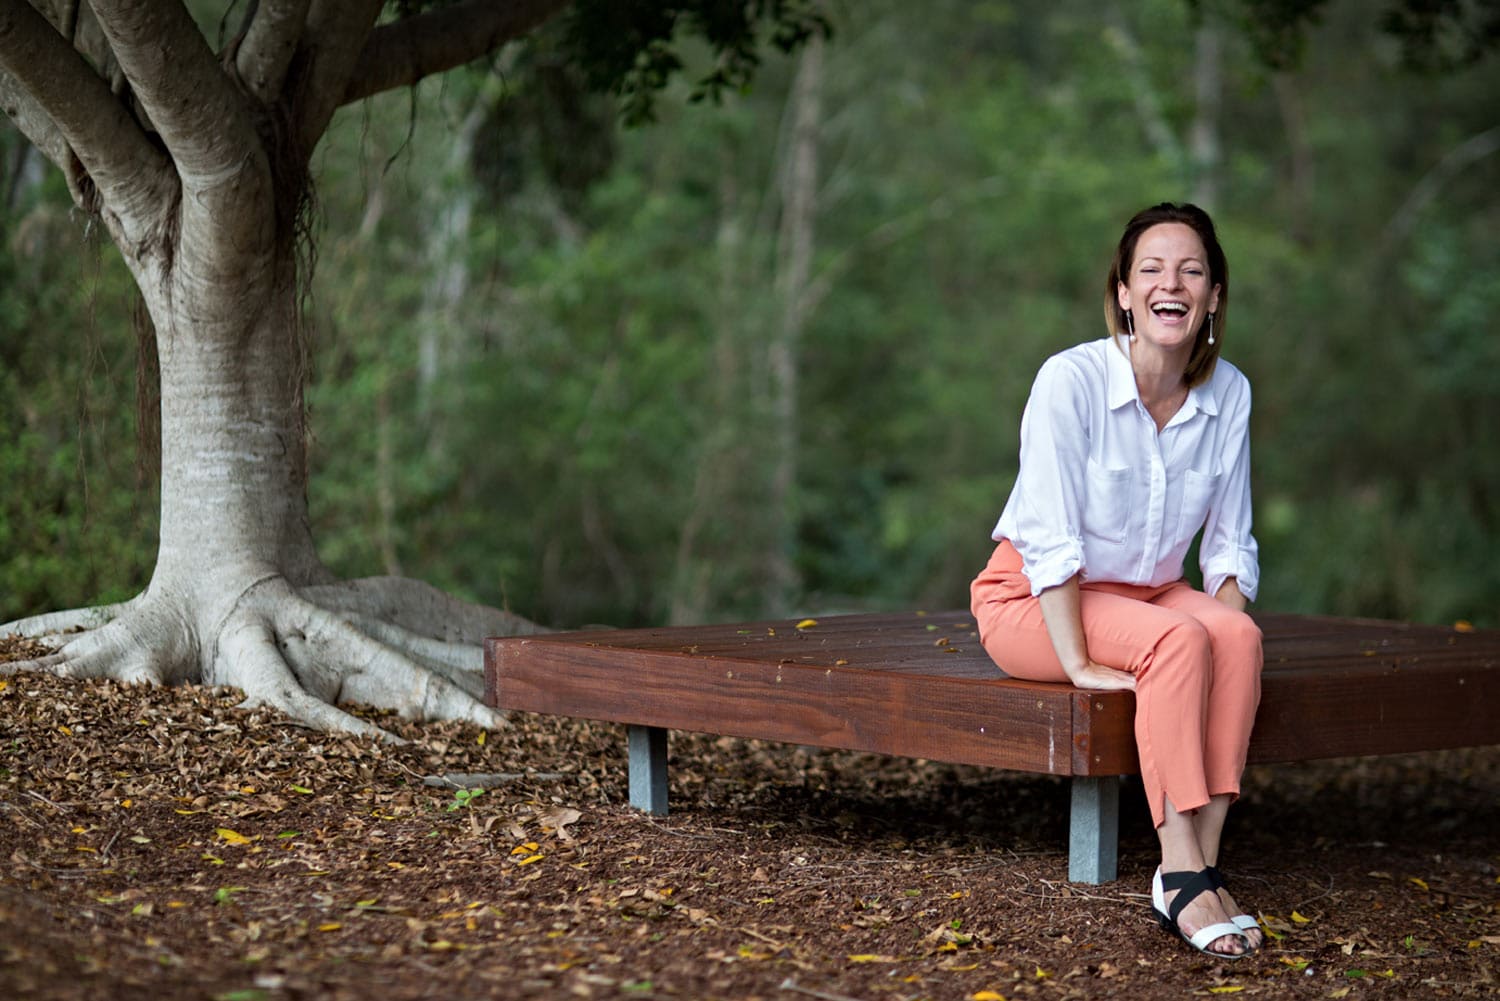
(958, 895)
(247, 790)
(4, 685)
(1225, 990)
(986, 996)
(525, 849)
(807, 623)
(187, 813)
(530, 859)
(840, 662)
(872, 957)
(1420, 883)
(233, 837)
(301, 789)
(948, 947)
(330, 926)
(66, 730)
(481, 738)
(1042, 974)
(1463, 626)
(1300, 919)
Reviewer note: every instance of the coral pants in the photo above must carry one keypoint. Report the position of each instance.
(1196, 663)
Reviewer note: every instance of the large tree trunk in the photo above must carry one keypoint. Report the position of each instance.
(197, 170)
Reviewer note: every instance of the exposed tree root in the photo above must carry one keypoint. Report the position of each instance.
(386, 642)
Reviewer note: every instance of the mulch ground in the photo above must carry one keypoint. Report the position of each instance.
(163, 843)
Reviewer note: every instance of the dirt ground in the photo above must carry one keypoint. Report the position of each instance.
(161, 843)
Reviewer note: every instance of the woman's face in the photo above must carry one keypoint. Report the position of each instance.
(1167, 289)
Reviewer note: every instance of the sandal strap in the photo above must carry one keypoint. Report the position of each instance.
(1216, 877)
(1203, 936)
(1189, 886)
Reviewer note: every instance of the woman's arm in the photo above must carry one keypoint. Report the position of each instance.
(1062, 611)
(1230, 594)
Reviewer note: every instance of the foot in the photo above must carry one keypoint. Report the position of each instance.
(1248, 926)
(1199, 918)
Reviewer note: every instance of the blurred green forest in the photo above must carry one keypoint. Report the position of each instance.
(770, 356)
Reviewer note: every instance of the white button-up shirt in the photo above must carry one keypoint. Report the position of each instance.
(1102, 494)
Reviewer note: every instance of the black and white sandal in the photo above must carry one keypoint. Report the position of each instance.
(1244, 922)
(1190, 886)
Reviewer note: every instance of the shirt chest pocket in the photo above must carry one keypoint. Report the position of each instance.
(1198, 492)
(1107, 508)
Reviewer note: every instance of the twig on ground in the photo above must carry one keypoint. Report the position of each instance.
(791, 985)
(487, 780)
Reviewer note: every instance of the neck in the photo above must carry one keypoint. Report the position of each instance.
(1158, 374)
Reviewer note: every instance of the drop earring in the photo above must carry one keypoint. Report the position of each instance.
(1210, 328)
(1130, 325)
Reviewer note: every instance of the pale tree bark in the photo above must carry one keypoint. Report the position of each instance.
(721, 451)
(1204, 148)
(794, 254)
(195, 162)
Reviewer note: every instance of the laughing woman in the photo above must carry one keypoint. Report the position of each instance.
(1129, 445)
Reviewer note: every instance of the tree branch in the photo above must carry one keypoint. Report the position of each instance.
(62, 105)
(402, 53)
(32, 119)
(266, 52)
(164, 56)
(336, 32)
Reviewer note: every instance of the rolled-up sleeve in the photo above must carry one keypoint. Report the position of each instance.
(1228, 549)
(1047, 505)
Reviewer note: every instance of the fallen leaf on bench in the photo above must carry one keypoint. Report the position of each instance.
(807, 623)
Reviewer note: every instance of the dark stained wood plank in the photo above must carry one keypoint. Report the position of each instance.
(994, 722)
(920, 685)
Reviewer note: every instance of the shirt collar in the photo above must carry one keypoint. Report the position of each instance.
(1120, 388)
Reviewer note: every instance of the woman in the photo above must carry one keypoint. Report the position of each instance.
(1129, 445)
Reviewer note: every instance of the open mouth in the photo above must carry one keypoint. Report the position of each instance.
(1170, 309)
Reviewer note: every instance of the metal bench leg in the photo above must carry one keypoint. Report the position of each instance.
(648, 769)
(1094, 830)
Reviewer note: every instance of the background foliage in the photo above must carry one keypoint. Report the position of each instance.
(573, 368)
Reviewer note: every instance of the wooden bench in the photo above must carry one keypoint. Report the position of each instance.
(919, 685)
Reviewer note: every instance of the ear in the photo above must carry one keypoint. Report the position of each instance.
(1213, 300)
(1122, 293)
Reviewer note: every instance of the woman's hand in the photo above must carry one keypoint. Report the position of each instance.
(1096, 677)
(1062, 611)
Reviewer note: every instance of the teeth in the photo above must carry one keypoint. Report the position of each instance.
(1175, 307)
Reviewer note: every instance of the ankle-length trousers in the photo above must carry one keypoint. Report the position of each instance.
(1196, 662)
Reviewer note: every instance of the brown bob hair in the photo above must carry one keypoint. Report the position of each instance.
(1205, 355)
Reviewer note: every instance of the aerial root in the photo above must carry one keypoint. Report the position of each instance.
(254, 663)
(460, 663)
(387, 642)
(375, 673)
(55, 628)
(419, 608)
